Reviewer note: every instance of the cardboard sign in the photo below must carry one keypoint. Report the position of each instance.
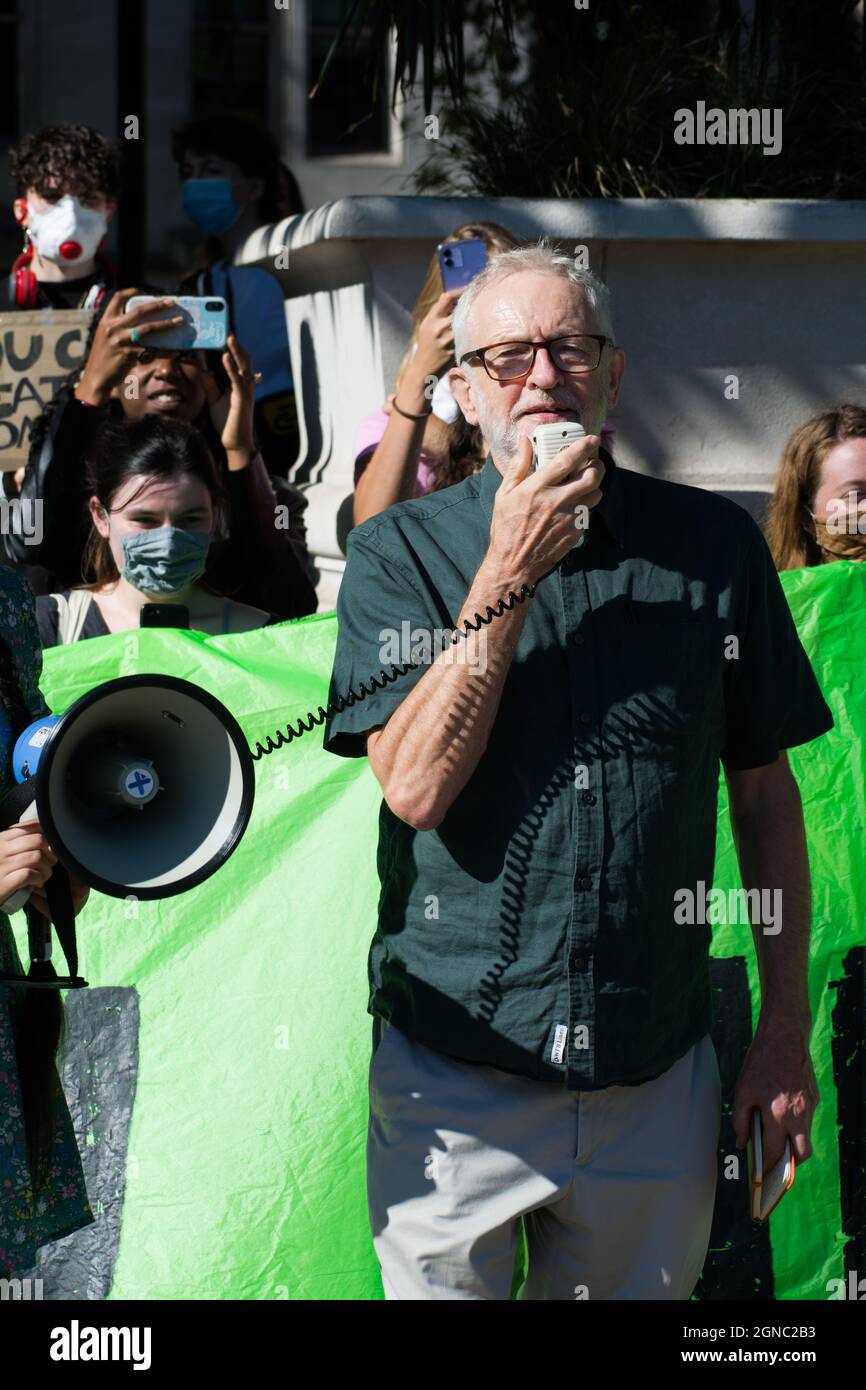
(38, 350)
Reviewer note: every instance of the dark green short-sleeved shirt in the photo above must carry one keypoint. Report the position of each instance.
(533, 929)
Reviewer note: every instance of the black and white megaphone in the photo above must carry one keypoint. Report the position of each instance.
(143, 787)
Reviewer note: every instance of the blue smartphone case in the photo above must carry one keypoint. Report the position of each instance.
(205, 323)
(461, 261)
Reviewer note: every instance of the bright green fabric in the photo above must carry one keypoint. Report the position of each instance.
(246, 1152)
(828, 603)
(246, 1169)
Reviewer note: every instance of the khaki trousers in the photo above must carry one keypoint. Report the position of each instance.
(615, 1187)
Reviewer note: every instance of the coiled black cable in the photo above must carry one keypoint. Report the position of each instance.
(311, 721)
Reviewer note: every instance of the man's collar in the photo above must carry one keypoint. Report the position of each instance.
(611, 508)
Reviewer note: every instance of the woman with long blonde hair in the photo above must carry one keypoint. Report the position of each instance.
(415, 445)
(818, 510)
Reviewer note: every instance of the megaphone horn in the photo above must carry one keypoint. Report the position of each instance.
(143, 787)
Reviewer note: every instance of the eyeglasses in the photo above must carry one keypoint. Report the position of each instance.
(572, 355)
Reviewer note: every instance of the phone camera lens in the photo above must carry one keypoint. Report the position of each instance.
(213, 306)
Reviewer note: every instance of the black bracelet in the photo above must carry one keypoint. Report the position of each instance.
(407, 416)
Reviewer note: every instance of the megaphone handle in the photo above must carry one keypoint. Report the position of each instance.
(18, 898)
(16, 902)
(58, 891)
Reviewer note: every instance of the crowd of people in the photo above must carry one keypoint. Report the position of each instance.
(159, 473)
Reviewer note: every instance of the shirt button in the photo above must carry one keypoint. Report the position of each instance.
(584, 883)
(588, 798)
(585, 718)
(577, 961)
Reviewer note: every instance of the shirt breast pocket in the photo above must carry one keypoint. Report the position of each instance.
(667, 680)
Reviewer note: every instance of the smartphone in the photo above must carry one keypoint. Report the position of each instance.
(461, 261)
(205, 322)
(548, 440)
(164, 615)
(768, 1189)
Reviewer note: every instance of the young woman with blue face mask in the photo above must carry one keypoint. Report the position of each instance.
(159, 511)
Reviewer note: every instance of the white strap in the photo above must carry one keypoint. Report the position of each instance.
(71, 614)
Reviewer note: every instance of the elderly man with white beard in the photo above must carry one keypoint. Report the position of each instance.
(542, 1014)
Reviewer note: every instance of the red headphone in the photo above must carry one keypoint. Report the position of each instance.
(25, 287)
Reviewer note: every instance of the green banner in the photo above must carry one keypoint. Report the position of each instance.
(808, 1230)
(220, 1084)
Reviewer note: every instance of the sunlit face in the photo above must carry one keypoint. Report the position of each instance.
(161, 382)
(212, 166)
(97, 202)
(529, 306)
(142, 504)
(843, 476)
(843, 484)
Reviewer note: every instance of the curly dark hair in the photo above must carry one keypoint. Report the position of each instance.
(63, 159)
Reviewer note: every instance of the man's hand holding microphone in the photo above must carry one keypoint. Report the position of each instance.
(432, 743)
(536, 513)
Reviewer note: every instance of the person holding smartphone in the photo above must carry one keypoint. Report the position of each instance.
(418, 442)
(262, 563)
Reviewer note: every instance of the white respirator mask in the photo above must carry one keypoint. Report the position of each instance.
(68, 232)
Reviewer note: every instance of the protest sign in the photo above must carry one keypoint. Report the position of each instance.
(38, 350)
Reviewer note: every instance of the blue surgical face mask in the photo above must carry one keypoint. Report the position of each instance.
(165, 559)
(210, 205)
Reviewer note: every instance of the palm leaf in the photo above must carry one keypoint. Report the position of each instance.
(429, 30)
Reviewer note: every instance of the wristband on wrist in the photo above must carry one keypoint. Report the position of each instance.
(407, 416)
(92, 405)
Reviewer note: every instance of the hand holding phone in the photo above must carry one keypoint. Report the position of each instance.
(114, 347)
(203, 322)
(434, 340)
